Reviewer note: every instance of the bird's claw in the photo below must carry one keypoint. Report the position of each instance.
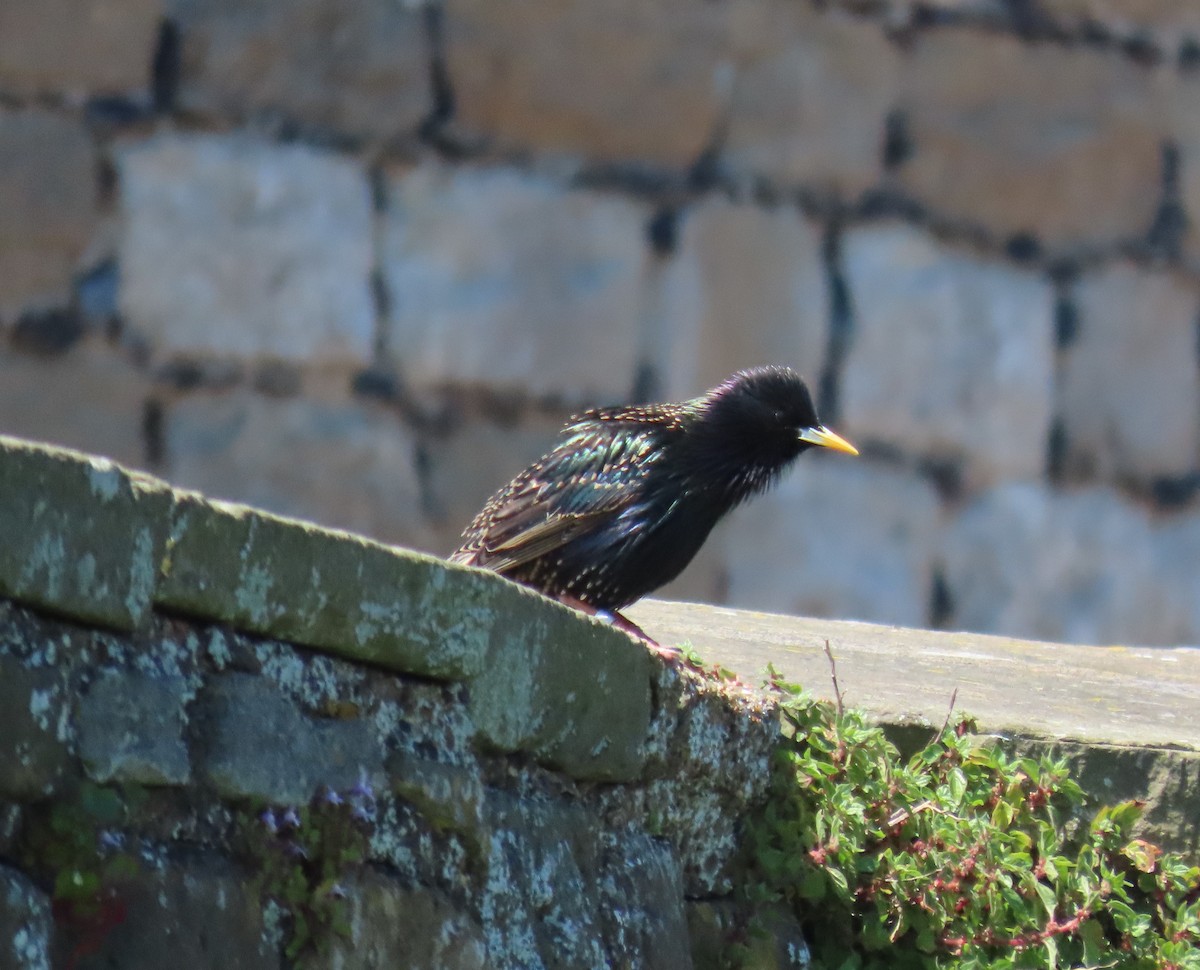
(619, 622)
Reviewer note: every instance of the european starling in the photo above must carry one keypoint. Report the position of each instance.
(627, 498)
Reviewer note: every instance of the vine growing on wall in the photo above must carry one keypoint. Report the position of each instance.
(958, 857)
(77, 843)
(302, 858)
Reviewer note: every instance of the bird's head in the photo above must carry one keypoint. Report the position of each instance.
(765, 416)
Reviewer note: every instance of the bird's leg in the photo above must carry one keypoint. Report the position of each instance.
(621, 623)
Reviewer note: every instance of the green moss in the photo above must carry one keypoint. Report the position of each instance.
(333, 591)
(571, 691)
(73, 845)
(82, 537)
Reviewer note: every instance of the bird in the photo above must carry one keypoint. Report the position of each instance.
(629, 494)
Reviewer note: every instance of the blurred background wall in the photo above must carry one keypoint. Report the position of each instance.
(356, 260)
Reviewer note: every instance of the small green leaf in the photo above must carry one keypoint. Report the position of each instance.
(813, 885)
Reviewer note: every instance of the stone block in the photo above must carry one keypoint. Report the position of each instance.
(1168, 781)
(630, 81)
(747, 286)
(48, 181)
(91, 398)
(951, 357)
(1064, 144)
(838, 537)
(537, 901)
(336, 592)
(393, 926)
(412, 847)
(260, 745)
(11, 825)
(358, 68)
(478, 298)
(642, 901)
(131, 729)
(1130, 381)
(67, 47)
(26, 923)
(232, 246)
(449, 796)
(1076, 567)
(709, 754)
(342, 463)
(1113, 695)
(188, 914)
(810, 98)
(35, 735)
(566, 688)
(777, 942)
(82, 537)
(1165, 22)
(562, 891)
(1183, 107)
(1177, 572)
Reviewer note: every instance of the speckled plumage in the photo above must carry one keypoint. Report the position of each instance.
(629, 495)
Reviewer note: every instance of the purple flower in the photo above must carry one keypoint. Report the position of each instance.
(111, 840)
(363, 789)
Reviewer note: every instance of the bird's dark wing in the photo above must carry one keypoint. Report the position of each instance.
(580, 488)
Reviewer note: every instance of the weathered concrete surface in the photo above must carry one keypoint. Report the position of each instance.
(81, 536)
(1113, 694)
(1124, 717)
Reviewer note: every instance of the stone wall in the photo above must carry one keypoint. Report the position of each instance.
(356, 260)
(179, 678)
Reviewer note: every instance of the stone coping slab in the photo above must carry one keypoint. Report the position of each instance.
(79, 535)
(1146, 696)
(83, 538)
(1123, 718)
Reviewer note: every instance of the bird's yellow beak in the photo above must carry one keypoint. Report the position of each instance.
(825, 438)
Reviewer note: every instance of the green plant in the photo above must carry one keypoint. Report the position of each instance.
(76, 842)
(961, 857)
(302, 858)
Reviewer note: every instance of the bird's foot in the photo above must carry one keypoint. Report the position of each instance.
(620, 622)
